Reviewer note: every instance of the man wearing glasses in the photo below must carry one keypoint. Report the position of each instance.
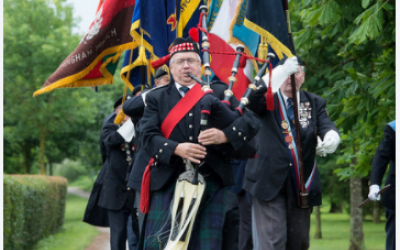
(214, 147)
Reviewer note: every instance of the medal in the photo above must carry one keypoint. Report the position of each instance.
(284, 124)
(291, 146)
(288, 138)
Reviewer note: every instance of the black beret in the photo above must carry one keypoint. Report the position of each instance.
(160, 72)
(119, 100)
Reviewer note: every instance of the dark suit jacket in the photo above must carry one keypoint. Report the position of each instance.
(95, 215)
(114, 193)
(159, 102)
(266, 175)
(385, 154)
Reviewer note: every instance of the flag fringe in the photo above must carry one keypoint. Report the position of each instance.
(275, 44)
(76, 80)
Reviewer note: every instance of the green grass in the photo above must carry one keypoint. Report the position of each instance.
(335, 232)
(75, 235)
(84, 182)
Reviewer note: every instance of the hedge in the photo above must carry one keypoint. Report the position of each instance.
(34, 207)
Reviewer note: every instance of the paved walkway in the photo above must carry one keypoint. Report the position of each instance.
(101, 241)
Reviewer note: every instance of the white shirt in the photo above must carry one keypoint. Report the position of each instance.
(178, 86)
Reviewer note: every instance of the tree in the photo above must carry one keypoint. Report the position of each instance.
(349, 48)
(37, 37)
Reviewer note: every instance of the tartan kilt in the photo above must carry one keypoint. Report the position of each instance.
(207, 228)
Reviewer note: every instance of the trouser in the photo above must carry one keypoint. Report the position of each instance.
(132, 237)
(245, 239)
(390, 229)
(118, 220)
(279, 224)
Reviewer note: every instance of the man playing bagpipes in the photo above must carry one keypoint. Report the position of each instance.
(279, 222)
(171, 133)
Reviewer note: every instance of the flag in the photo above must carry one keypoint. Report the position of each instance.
(94, 61)
(267, 18)
(189, 15)
(155, 25)
(240, 34)
(222, 64)
(213, 9)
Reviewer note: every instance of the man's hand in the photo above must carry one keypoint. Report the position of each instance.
(212, 136)
(373, 193)
(331, 141)
(191, 151)
(290, 66)
(319, 149)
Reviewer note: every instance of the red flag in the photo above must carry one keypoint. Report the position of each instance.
(94, 61)
(221, 65)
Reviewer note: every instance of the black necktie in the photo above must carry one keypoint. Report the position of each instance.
(290, 114)
(184, 89)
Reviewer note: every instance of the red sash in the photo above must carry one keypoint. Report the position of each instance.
(174, 116)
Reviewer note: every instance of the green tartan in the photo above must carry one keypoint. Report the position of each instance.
(207, 230)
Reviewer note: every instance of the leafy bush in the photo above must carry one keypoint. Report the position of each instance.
(70, 169)
(34, 207)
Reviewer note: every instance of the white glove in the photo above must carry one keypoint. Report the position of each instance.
(373, 193)
(331, 141)
(319, 149)
(127, 130)
(281, 72)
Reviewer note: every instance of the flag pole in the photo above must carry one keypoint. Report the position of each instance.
(303, 195)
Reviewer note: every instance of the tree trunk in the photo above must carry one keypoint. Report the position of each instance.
(356, 219)
(376, 213)
(318, 231)
(26, 148)
(42, 151)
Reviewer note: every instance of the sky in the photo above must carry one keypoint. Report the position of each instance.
(86, 10)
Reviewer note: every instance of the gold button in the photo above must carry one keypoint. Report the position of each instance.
(240, 133)
(244, 138)
(234, 128)
(128, 188)
(165, 144)
(191, 138)
(190, 114)
(160, 150)
(190, 126)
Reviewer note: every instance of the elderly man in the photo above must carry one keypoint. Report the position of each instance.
(272, 178)
(214, 147)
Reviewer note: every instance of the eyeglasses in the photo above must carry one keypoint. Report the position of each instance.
(181, 61)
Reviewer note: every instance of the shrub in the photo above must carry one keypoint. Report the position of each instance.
(70, 169)
(34, 207)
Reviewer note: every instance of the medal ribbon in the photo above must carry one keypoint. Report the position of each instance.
(293, 155)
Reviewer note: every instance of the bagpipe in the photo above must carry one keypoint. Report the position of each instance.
(218, 113)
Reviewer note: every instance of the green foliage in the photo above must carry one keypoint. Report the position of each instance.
(75, 234)
(37, 38)
(71, 170)
(348, 48)
(34, 207)
(84, 182)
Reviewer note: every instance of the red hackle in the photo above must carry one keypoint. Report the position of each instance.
(194, 34)
(160, 62)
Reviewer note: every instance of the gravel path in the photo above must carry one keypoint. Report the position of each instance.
(101, 241)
